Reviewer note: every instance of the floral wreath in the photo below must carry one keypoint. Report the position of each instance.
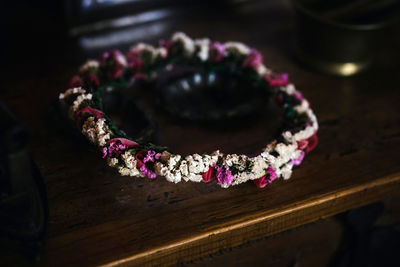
(135, 158)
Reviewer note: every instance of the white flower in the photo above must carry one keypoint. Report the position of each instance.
(155, 52)
(174, 177)
(286, 171)
(303, 107)
(285, 152)
(270, 159)
(183, 168)
(262, 70)
(121, 59)
(161, 51)
(96, 131)
(188, 44)
(195, 164)
(76, 104)
(313, 119)
(241, 48)
(238, 161)
(204, 46)
(259, 167)
(112, 162)
(289, 89)
(304, 134)
(129, 172)
(71, 91)
(129, 160)
(90, 64)
(172, 161)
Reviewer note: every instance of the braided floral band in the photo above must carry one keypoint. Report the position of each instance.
(134, 158)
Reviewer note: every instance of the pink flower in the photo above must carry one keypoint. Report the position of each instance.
(297, 162)
(217, 51)
(114, 63)
(144, 161)
(86, 79)
(116, 146)
(224, 175)
(167, 44)
(309, 143)
(75, 81)
(79, 113)
(134, 60)
(90, 79)
(298, 96)
(253, 60)
(277, 79)
(208, 175)
(266, 179)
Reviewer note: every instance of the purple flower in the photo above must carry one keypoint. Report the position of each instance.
(224, 175)
(297, 162)
(217, 51)
(144, 160)
(266, 179)
(116, 146)
(277, 79)
(253, 60)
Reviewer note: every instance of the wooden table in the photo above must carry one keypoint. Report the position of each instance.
(100, 218)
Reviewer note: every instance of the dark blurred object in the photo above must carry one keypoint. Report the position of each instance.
(364, 244)
(85, 16)
(339, 37)
(202, 95)
(23, 201)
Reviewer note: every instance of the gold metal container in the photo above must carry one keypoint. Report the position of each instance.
(333, 46)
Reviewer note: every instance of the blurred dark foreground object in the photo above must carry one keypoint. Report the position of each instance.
(23, 201)
(340, 37)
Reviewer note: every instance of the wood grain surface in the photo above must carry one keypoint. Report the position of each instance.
(100, 218)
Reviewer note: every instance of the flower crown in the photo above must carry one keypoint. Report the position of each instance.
(134, 158)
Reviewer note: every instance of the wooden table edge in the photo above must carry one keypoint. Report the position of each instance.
(264, 224)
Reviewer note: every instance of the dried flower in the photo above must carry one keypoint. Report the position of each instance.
(253, 60)
(277, 79)
(116, 146)
(208, 175)
(266, 179)
(224, 176)
(217, 51)
(113, 62)
(144, 162)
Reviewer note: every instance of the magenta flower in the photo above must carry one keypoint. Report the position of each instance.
(134, 60)
(217, 51)
(79, 113)
(167, 44)
(253, 60)
(114, 63)
(75, 81)
(144, 160)
(90, 79)
(86, 79)
(277, 79)
(297, 162)
(309, 143)
(224, 175)
(298, 96)
(266, 179)
(116, 146)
